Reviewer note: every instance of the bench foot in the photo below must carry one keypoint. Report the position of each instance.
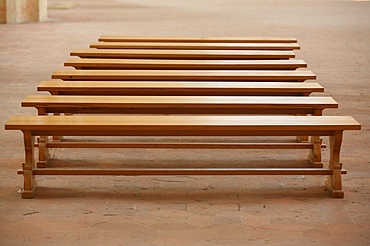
(334, 193)
(29, 194)
(316, 164)
(42, 164)
(30, 185)
(313, 162)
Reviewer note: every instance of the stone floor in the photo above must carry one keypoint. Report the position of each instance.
(286, 210)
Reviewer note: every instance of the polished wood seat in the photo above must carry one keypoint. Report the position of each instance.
(195, 46)
(178, 88)
(186, 75)
(224, 105)
(199, 39)
(332, 126)
(168, 64)
(183, 54)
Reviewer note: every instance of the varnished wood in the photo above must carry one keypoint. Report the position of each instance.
(185, 75)
(332, 126)
(44, 154)
(111, 64)
(177, 145)
(183, 54)
(182, 125)
(334, 181)
(192, 105)
(30, 183)
(178, 104)
(195, 46)
(200, 39)
(178, 88)
(182, 171)
(315, 154)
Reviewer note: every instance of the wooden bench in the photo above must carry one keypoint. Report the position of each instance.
(166, 64)
(200, 39)
(183, 54)
(186, 75)
(332, 126)
(139, 88)
(192, 105)
(195, 46)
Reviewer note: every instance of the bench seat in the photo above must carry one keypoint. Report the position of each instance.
(111, 64)
(183, 54)
(332, 126)
(195, 46)
(179, 104)
(178, 88)
(186, 75)
(200, 39)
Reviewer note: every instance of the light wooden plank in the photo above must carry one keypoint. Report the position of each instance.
(177, 145)
(179, 104)
(178, 88)
(199, 39)
(185, 75)
(257, 101)
(169, 125)
(93, 63)
(182, 171)
(195, 46)
(182, 54)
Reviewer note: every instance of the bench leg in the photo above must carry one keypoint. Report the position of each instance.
(42, 145)
(57, 138)
(301, 139)
(44, 154)
(30, 184)
(314, 155)
(60, 138)
(334, 181)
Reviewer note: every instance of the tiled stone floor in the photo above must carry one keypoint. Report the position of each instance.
(286, 210)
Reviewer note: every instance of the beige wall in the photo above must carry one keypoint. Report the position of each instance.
(19, 11)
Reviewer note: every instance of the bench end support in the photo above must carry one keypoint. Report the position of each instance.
(334, 193)
(334, 181)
